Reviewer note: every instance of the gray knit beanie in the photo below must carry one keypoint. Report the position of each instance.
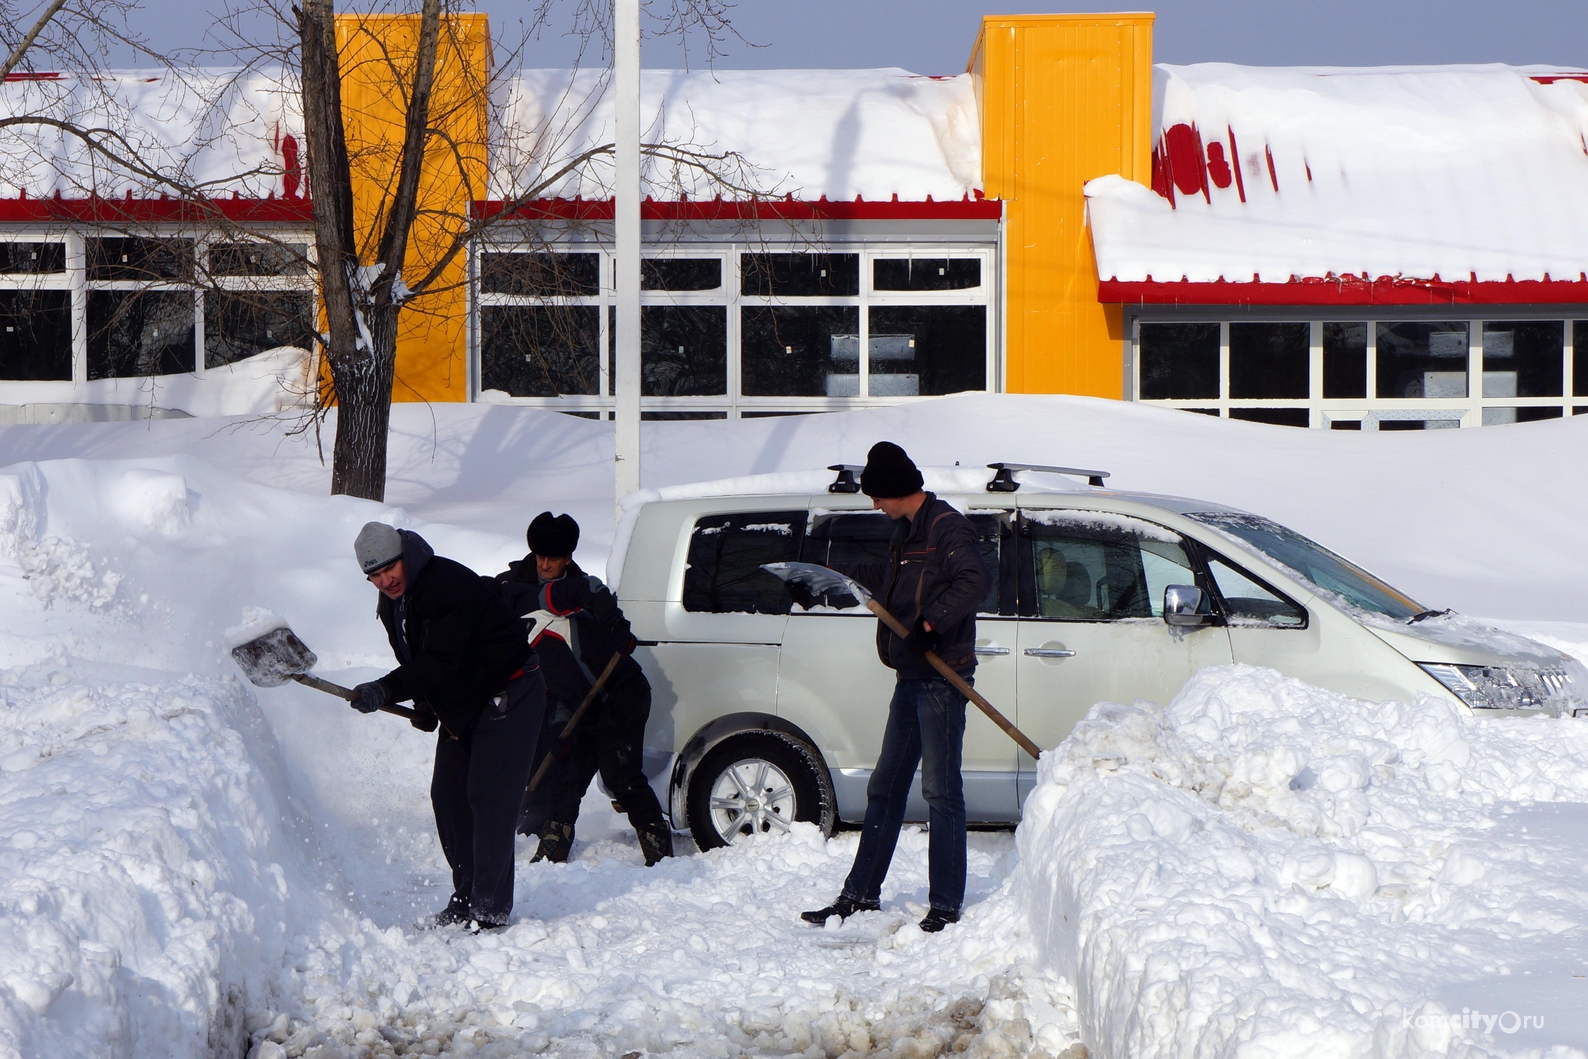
(377, 545)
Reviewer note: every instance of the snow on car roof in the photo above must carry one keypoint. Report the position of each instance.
(1457, 172)
(838, 134)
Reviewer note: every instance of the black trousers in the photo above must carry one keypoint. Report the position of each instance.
(609, 740)
(475, 790)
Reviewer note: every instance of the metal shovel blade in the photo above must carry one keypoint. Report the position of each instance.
(274, 658)
(819, 579)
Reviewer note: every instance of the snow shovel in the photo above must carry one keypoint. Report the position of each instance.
(822, 580)
(279, 656)
(567, 729)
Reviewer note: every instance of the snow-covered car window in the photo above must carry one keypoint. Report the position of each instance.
(1314, 563)
(1249, 602)
(1100, 567)
(724, 575)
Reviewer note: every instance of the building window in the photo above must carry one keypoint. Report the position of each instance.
(540, 350)
(742, 331)
(1423, 359)
(1397, 374)
(36, 335)
(1179, 361)
(139, 332)
(1269, 360)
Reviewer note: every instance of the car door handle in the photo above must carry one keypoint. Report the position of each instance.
(992, 650)
(1048, 652)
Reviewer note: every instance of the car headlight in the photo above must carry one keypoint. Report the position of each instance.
(1501, 688)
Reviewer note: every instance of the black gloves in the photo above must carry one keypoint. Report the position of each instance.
(424, 721)
(800, 593)
(922, 639)
(370, 696)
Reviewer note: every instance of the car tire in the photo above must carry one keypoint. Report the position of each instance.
(758, 783)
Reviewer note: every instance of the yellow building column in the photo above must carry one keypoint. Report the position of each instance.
(1063, 99)
(376, 54)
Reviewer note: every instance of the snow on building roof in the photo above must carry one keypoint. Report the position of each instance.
(809, 134)
(216, 131)
(1465, 173)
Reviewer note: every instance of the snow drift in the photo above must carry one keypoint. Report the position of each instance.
(1264, 868)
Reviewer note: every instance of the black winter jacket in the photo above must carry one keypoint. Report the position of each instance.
(596, 627)
(456, 640)
(936, 571)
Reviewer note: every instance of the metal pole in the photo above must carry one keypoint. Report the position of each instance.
(626, 275)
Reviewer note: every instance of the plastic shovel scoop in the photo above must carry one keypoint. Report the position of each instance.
(821, 580)
(272, 659)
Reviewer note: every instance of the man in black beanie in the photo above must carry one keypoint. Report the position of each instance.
(579, 627)
(464, 662)
(933, 585)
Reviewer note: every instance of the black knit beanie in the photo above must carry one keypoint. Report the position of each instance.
(553, 537)
(889, 473)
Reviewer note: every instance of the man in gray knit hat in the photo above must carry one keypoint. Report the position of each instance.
(465, 663)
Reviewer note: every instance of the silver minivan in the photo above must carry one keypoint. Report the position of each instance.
(764, 713)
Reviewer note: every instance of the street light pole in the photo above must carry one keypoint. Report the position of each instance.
(626, 278)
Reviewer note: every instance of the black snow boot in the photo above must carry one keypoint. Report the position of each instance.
(457, 911)
(556, 842)
(843, 908)
(656, 842)
(936, 919)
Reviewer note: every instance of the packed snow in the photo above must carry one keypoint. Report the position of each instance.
(192, 866)
(1455, 172)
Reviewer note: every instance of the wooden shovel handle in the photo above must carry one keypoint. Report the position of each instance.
(340, 692)
(955, 679)
(567, 729)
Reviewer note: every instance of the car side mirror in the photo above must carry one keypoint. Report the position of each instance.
(1184, 606)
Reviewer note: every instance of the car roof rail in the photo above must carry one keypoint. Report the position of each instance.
(845, 482)
(1004, 480)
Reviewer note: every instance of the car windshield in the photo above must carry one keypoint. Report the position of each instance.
(1314, 563)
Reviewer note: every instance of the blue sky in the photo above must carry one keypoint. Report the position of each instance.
(935, 36)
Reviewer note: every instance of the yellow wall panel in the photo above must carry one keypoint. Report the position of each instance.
(1063, 99)
(376, 53)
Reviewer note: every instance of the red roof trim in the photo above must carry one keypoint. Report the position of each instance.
(977, 209)
(1549, 79)
(1348, 290)
(130, 210)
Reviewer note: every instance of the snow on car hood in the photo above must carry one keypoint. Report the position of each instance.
(1459, 640)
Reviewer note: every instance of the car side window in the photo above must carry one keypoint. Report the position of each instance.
(862, 537)
(1249, 602)
(1098, 567)
(724, 574)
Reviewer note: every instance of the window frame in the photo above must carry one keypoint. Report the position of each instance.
(734, 404)
(1371, 411)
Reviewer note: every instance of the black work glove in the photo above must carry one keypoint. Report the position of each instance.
(370, 696)
(628, 648)
(423, 720)
(922, 639)
(800, 593)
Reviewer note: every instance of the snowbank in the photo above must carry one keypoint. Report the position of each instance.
(144, 868)
(1451, 171)
(269, 382)
(1264, 868)
(812, 134)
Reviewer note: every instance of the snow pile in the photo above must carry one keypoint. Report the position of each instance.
(1455, 172)
(812, 134)
(142, 894)
(269, 382)
(1265, 868)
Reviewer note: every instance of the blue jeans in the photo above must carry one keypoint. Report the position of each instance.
(926, 726)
